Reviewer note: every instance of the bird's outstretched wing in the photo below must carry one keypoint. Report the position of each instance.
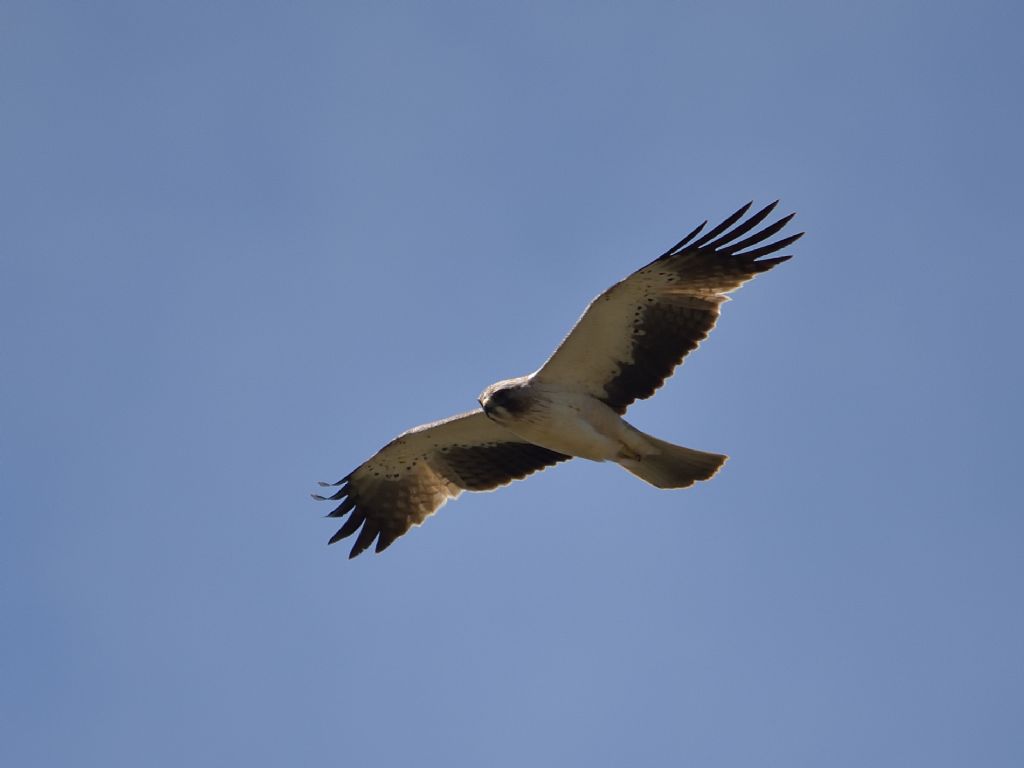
(409, 479)
(632, 336)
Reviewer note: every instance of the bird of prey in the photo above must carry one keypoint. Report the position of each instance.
(626, 343)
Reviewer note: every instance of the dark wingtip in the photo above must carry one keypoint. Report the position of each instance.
(343, 534)
(723, 226)
(342, 509)
(356, 519)
(766, 264)
(365, 538)
(322, 484)
(724, 235)
(357, 550)
(738, 248)
(738, 213)
(685, 240)
(386, 539)
(340, 494)
(764, 250)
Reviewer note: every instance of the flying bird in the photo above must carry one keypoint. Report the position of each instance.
(626, 343)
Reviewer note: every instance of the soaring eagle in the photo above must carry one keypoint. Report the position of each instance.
(628, 341)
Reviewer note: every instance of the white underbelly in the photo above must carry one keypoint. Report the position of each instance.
(579, 426)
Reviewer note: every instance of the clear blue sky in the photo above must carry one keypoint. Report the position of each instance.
(245, 244)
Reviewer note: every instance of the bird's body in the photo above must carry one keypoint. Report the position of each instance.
(566, 421)
(578, 424)
(625, 345)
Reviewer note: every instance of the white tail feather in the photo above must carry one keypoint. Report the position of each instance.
(673, 466)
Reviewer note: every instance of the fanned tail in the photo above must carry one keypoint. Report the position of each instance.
(673, 466)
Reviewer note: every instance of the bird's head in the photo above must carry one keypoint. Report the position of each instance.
(504, 401)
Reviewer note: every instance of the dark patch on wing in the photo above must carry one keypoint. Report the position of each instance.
(666, 333)
(484, 467)
(387, 508)
(696, 275)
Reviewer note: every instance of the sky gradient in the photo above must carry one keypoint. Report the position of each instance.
(246, 244)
